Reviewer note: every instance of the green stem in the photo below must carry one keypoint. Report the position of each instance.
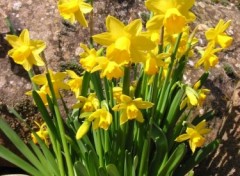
(162, 99)
(143, 86)
(144, 159)
(98, 146)
(31, 74)
(126, 80)
(97, 84)
(10, 26)
(61, 128)
(85, 83)
(60, 160)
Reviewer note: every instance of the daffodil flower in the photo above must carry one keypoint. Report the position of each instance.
(208, 59)
(83, 129)
(194, 135)
(89, 58)
(194, 96)
(202, 93)
(127, 39)
(218, 36)
(87, 104)
(101, 118)
(43, 92)
(173, 15)
(130, 109)
(25, 52)
(170, 41)
(75, 82)
(57, 81)
(42, 133)
(109, 69)
(155, 61)
(74, 10)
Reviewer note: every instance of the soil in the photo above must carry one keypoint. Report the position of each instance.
(43, 21)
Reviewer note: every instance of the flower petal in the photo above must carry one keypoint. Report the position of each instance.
(104, 39)
(114, 26)
(123, 118)
(135, 27)
(83, 129)
(182, 138)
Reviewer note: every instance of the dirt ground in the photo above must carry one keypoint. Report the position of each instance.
(43, 21)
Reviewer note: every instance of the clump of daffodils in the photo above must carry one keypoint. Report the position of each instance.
(133, 111)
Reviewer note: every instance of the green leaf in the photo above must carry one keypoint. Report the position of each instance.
(162, 103)
(21, 146)
(161, 151)
(112, 170)
(102, 171)
(45, 115)
(135, 163)
(95, 78)
(85, 83)
(179, 70)
(80, 169)
(17, 161)
(174, 112)
(49, 157)
(42, 159)
(174, 161)
(196, 158)
(203, 78)
(173, 134)
(207, 116)
(92, 163)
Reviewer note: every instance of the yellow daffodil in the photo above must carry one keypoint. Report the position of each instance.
(89, 104)
(202, 93)
(121, 57)
(131, 108)
(89, 58)
(42, 133)
(195, 96)
(74, 10)
(25, 51)
(42, 93)
(173, 15)
(101, 118)
(109, 69)
(170, 41)
(154, 62)
(208, 59)
(127, 39)
(75, 82)
(57, 81)
(83, 129)
(218, 36)
(194, 135)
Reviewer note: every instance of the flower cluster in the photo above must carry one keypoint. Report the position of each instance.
(131, 96)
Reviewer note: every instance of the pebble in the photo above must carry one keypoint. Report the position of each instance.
(17, 5)
(2, 81)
